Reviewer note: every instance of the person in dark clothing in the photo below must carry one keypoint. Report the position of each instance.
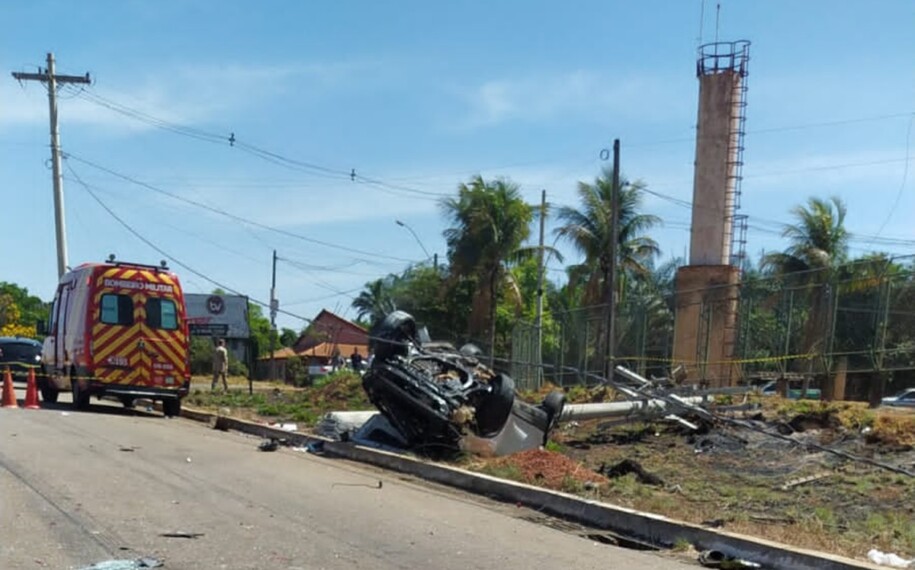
(355, 360)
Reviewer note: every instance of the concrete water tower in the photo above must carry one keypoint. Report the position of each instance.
(707, 289)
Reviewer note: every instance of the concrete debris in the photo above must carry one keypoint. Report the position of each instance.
(220, 422)
(379, 433)
(341, 426)
(127, 564)
(888, 559)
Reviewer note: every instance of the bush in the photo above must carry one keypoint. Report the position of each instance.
(297, 372)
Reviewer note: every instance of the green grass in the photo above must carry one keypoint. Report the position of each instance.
(503, 471)
(342, 391)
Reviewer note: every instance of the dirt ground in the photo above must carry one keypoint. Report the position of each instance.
(721, 476)
(747, 482)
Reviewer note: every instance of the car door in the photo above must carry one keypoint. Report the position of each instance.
(63, 321)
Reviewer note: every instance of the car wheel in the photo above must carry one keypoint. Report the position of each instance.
(80, 396)
(171, 407)
(393, 335)
(493, 411)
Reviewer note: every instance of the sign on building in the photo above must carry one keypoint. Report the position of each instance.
(217, 315)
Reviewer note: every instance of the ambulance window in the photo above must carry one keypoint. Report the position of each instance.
(117, 309)
(161, 314)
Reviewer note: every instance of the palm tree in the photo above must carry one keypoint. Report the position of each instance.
(589, 231)
(489, 221)
(818, 245)
(645, 322)
(374, 302)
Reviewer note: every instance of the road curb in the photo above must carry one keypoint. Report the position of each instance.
(653, 529)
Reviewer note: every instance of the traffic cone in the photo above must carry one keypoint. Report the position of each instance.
(9, 395)
(31, 393)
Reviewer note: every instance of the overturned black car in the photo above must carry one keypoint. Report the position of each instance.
(436, 395)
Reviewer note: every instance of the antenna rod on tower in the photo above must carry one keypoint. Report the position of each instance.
(717, 17)
(701, 21)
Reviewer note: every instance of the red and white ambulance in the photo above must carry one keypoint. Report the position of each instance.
(119, 330)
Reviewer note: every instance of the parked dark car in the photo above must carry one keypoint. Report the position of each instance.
(19, 354)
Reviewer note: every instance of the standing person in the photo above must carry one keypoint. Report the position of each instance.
(355, 360)
(220, 365)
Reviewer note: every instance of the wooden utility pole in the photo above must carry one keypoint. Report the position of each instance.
(52, 79)
(274, 307)
(614, 259)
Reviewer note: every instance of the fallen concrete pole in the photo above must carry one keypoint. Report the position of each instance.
(579, 412)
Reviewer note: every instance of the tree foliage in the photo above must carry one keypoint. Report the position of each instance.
(20, 311)
(489, 223)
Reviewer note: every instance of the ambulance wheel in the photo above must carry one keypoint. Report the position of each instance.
(80, 396)
(171, 407)
(48, 392)
(128, 402)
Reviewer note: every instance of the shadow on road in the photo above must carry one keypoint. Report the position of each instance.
(107, 407)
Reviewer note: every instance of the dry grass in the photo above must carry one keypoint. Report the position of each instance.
(849, 511)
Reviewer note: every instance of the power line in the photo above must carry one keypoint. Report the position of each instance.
(230, 215)
(852, 235)
(905, 175)
(167, 255)
(354, 176)
(234, 142)
(783, 128)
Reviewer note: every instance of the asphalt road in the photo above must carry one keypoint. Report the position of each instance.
(79, 488)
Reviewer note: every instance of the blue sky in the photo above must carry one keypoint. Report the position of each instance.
(420, 96)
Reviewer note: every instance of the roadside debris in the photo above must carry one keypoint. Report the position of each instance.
(342, 425)
(181, 534)
(220, 422)
(628, 466)
(718, 559)
(888, 559)
(271, 444)
(127, 564)
(379, 485)
(803, 480)
(285, 426)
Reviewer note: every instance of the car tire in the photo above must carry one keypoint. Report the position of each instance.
(493, 411)
(171, 407)
(393, 335)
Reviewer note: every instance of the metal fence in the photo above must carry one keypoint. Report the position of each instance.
(861, 314)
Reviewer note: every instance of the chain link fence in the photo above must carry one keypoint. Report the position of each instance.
(859, 316)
